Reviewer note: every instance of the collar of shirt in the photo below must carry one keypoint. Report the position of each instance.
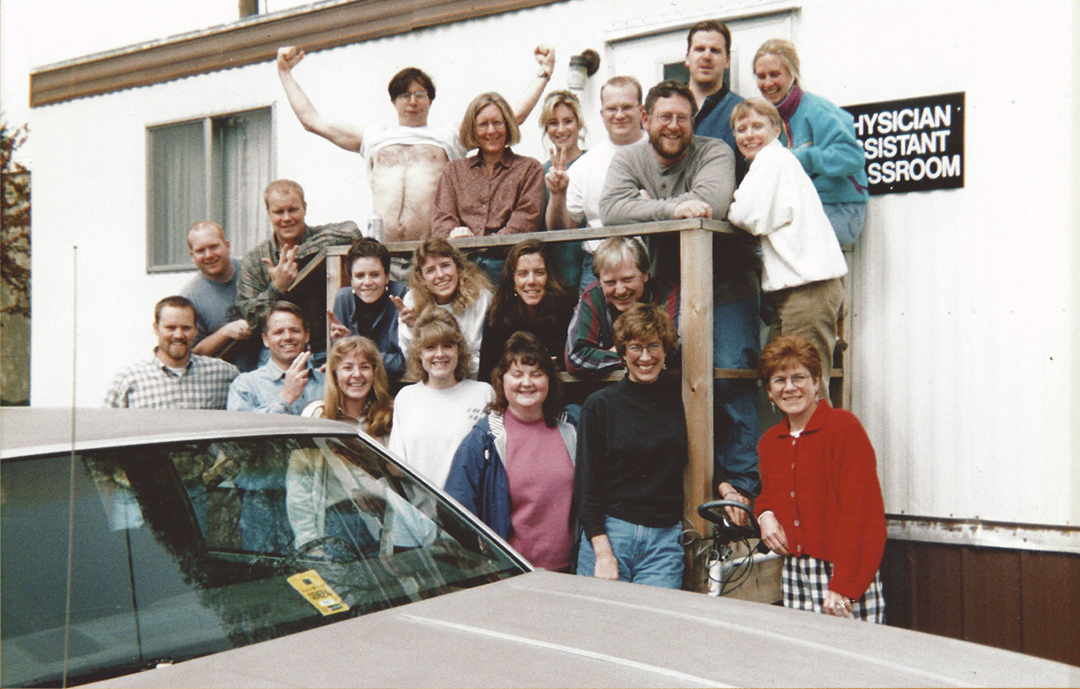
(680, 164)
(709, 105)
(274, 372)
(169, 369)
(505, 161)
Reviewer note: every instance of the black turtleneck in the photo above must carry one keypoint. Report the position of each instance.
(632, 450)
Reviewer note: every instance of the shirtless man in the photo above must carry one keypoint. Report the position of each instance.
(406, 160)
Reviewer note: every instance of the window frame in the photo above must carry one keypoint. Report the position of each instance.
(212, 174)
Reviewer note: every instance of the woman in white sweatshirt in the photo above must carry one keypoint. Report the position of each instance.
(802, 261)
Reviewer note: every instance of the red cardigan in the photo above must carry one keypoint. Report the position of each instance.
(823, 489)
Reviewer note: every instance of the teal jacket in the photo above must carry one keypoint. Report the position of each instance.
(825, 145)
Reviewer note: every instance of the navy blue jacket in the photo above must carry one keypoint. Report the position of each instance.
(478, 475)
(384, 333)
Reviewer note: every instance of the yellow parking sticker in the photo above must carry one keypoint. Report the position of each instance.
(311, 586)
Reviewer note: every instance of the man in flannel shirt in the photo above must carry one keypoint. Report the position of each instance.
(622, 265)
(174, 377)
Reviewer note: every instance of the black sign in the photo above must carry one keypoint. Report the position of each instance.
(916, 144)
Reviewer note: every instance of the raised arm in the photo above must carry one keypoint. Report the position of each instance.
(340, 134)
(545, 56)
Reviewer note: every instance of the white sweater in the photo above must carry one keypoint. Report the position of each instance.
(429, 424)
(777, 202)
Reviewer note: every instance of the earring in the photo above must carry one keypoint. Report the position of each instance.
(773, 405)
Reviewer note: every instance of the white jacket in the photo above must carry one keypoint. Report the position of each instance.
(777, 202)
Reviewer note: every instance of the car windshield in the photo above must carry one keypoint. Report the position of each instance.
(181, 550)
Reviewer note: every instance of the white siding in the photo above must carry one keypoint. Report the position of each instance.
(964, 339)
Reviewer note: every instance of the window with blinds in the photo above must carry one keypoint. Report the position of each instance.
(213, 168)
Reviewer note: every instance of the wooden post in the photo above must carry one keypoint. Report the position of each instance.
(696, 324)
(336, 278)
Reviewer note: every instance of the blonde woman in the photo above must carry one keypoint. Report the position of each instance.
(357, 388)
(431, 417)
(495, 191)
(441, 277)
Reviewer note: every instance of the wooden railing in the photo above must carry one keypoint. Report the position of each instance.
(696, 323)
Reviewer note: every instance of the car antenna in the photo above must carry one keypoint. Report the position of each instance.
(71, 472)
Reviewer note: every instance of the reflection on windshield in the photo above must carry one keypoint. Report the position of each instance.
(187, 549)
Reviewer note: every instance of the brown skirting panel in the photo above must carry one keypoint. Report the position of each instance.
(1020, 600)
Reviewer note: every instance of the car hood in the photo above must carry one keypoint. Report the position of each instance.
(545, 629)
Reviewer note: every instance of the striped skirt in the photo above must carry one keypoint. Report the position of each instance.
(806, 579)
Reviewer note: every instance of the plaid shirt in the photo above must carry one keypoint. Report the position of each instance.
(149, 383)
(592, 329)
(255, 291)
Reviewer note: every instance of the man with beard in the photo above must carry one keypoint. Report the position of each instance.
(174, 377)
(673, 174)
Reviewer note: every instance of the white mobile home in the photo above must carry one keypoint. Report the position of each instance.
(964, 331)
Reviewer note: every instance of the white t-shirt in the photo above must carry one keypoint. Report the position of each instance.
(471, 323)
(380, 136)
(429, 424)
(586, 187)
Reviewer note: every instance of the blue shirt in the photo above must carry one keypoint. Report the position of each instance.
(260, 390)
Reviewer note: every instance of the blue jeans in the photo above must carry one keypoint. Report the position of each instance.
(646, 555)
(567, 259)
(736, 344)
(847, 219)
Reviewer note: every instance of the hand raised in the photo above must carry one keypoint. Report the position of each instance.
(337, 329)
(545, 55)
(288, 57)
(405, 314)
(296, 378)
(557, 179)
(283, 274)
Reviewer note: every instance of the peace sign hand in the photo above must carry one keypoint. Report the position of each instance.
(557, 178)
(283, 274)
(405, 314)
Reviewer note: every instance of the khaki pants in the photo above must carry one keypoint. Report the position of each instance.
(811, 311)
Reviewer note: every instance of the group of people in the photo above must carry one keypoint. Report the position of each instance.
(596, 489)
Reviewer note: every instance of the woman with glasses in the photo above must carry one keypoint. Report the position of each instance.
(632, 449)
(820, 504)
(495, 191)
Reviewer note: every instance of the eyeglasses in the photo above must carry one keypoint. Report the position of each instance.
(667, 118)
(620, 109)
(655, 348)
(414, 95)
(780, 382)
